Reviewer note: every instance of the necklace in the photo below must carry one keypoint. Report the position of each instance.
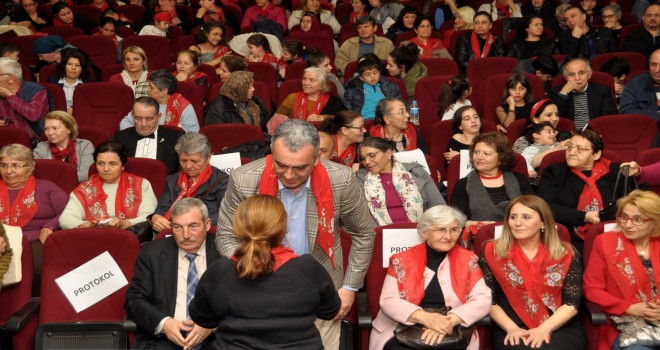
(494, 177)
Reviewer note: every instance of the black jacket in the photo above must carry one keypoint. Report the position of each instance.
(223, 111)
(464, 52)
(602, 38)
(599, 99)
(164, 151)
(641, 41)
(517, 49)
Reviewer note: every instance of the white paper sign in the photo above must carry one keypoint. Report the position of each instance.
(398, 240)
(92, 282)
(415, 156)
(465, 165)
(226, 162)
(497, 231)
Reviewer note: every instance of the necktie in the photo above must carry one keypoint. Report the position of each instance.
(193, 279)
(150, 136)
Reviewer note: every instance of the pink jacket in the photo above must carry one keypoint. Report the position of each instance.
(394, 310)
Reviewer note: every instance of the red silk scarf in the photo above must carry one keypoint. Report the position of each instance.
(590, 198)
(189, 190)
(24, 207)
(127, 201)
(300, 106)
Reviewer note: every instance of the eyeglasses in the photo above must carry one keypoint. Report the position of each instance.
(580, 150)
(14, 166)
(607, 16)
(636, 220)
(360, 127)
(453, 231)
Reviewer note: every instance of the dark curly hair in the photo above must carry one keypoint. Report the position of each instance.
(500, 142)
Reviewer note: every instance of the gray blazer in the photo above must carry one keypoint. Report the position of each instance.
(351, 213)
(84, 152)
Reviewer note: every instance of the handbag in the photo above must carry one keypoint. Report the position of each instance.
(636, 330)
(625, 170)
(411, 336)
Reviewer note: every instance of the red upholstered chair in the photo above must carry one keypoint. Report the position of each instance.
(597, 77)
(26, 73)
(18, 309)
(58, 95)
(322, 41)
(648, 157)
(92, 134)
(626, 134)
(64, 251)
(151, 169)
(61, 173)
(343, 10)
(517, 128)
(195, 94)
(479, 70)
(260, 90)
(288, 87)
(157, 49)
(560, 156)
(446, 25)
(350, 70)
(47, 71)
(14, 135)
(174, 33)
(401, 84)
(296, 70)
(433, 166)
(427, 94)
(223, 136)
(89, 11)
(26, 52)
(125, 31)
(66, 32)
(265, 72)
(637, 61)
(625, 31)
(132, 12)
(454, 40)
(182, 43)
(111, 70)
(102, 105)
(212, 76)
(101, 49)
(440, 66)
(493, 88)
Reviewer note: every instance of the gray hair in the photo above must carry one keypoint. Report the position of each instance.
(18, 152)
(440, 215)
(184, 205)
(147, 101)
(584, 60)
(615, 8)
(193, 142)
(163, 79)
(9, 66)
(296, 134)
(323, 77)
(561, 9)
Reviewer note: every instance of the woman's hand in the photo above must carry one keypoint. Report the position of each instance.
(43, 234)
(431, 337)
(117, 222)
(501, 129)
(181, 76)
(515, 336)
(88, 224)
(532, 174)
(451, 154)
(314, 118)
(3, 245)
(650, 311)
(201, 12)
(537, 336)
(39, 20)
(592, 217)
(511, 103)
(437, 322)
(635, 169)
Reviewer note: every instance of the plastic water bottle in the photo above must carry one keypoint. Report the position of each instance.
(414, 113)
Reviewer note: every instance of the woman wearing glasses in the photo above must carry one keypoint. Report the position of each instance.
(429, 47)
(579, 189)
(634, 247)
(395, 192)
(392, 122)
(347, 130)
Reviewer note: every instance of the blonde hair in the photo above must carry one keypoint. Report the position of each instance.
(260, 222)
(647, 202)
(18, 152)
(138, 51)
(549, 235)
(67, 119)
(467, 14)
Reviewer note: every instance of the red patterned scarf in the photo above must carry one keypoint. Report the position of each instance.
(490, 39)
(300, 106)
(127, 201)
(189, 190)
(322, 189)
(531, 286)
(347, 157)
(281, 254)
(24, 207)
(175, 106)
(410, 135)
(269, 58)
(409, 266)
(590, 198)
(67, 154)
(426, 49)
(626, 267)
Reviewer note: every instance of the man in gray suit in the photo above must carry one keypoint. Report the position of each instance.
(318, 196)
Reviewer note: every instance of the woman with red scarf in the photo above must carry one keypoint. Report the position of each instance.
(429, 47)
(433, 274)
(63, 143)
(481, 43)
(536, 281)
(579, 189)
(263, 285)
(392, 122)
(111, 197)
(347, 130)
(187, 62)
(624, 266)
(314, 103)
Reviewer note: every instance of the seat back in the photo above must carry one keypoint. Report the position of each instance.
(157, 49)
(454, 40)
(592, 232)
(440, 66)
(9, 136)
(92, 134)
(66, 32)
(626, 30)
(89, 11)
(47, 71)
(26, 73)
(265, 72)
(25, 42)
(182, 43)
(637, 61)
(288, 87)
(401, 84)
(495, 86)
(102, 105)
(427, 95)
(487, 232)
(101, 49)
(58, 95)
(224, 136)
(321, 40)
(151, 169)
(63, 174)
(479, 70)
(350, 70)
(132, 12)
(124, 31)
(195, 95)
(517, 128)
(111, 70)
(626, 134)
(296, 70)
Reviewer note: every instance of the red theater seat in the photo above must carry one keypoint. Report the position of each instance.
(223, 136)
(61, 173)
(102, 105)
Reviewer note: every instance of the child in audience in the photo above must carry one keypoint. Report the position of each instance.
(9, 49)
(292, 51)
(542, 138)
(367, 89)
(454, 95)
(619, 69)
(162, 21)
(259, 50)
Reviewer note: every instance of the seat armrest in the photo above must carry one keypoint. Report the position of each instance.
(485, 321)
(363, 313)
(21, 318)
(594, 312)
(129, 325)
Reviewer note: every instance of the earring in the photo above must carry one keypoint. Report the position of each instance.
(542, 231)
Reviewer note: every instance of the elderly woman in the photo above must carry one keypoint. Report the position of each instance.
(611, 15)
(542, 111)
(347, 130)
(536, 281)
(197, 179)
(263, 284)
(463, 18)
(428, 47)
(403, 62)
(579, 189)
(112, 197)
(395, 192)
(135, 72)
(211, 46)
(485, 192)
(404, 23)
(434, 274)
(325, 16)
(237, 103)
(175, 110)
(501, 9)
(187, 62)
(63, 143)
(392, 122)
(230, 64)
(481, 43)
(314, 103)
(318, 59)
(634, 247)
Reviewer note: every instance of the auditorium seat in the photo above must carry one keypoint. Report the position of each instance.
(102, 105)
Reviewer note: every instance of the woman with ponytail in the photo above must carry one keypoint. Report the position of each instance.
(266, 295)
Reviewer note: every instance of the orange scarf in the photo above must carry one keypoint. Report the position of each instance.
(190, 191)
(590, 198)
(426, 50)
(409, 135)
(300, 106)
(490, 39)
(175, 106)
(531, 286)
(127, 201)
(322, 189)
(348, 156)
(21, 212)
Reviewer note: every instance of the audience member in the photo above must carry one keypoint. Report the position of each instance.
(542, 111)
(108, 28)
(582, 39)
(429, 47)
(50, 48)
(211, 44)
(319, 59)
(544, 67)
(611, 15)
(347, 130)
(314, 103)
(237, 103)
(650, 175)
(392, 122)
(501, 9)
(135, 73)
(73, 70)
(359, 11)
(541, 8)
(259, 50)
(465, 127)
(213, 10)
(229, 64)
(404, 23)
(10, 50)
(403, 62)
(28, 15)
(327, 146)
(481, 43)
(517, 100)
(531, 42)
(639, 95)
(264, 17)
(542, 139)
(63, 15)
(463, 19)
(385, 12)
(187, 63)
(454, 95)
(366, 42)
(560, 23)
(314, 6)
(6, 253)
(292, 51)
(162, 21)
(367, 89)
(619, 69)
(645, 40)
(178, 14)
